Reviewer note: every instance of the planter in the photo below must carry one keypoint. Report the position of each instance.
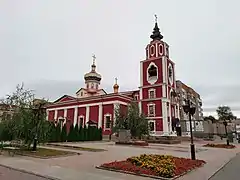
(220, 146)
(133, 143)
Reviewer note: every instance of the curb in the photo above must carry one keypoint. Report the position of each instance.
(223, 166)
(29, 172)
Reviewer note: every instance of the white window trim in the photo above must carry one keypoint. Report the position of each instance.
(152, 80)
(154, 110)
(105, 121)
(83, 124)
(154, 126)
(159, 46)
(136, 96)
(154, 92)
(154, 50)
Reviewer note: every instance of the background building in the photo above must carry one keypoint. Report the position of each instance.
(184, 92)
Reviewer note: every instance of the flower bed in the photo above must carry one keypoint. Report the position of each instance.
(154, 165)
(220, 146)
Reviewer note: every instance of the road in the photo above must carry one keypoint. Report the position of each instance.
(9, 174)
(230, 171)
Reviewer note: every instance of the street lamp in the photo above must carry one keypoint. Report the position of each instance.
(188, 109)
(225, 124)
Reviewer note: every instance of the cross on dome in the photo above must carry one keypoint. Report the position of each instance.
(94, 58)
(155, 18)
(116, 79)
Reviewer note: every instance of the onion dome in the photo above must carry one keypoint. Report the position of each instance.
(156, 35)
(93, 75)
(115, 86)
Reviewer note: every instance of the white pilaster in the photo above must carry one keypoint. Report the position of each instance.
(164, 65)
(114, 115)
(156, 49)
(170, 118)
(164, 93)
(100, 111)
(65, 113)
(140, 107)
(47, 114)
(75, 116)
(55, 115)
(141, 74)
(165, 118)
(87, 114)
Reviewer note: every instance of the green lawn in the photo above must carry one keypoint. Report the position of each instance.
(43, 152)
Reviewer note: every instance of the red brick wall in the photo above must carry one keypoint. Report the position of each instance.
(70, 118)
(159, 124)
(82, 112)
(51, 115)
(60, 113)
(93, 113)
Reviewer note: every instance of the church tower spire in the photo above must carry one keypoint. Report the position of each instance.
(156, 35)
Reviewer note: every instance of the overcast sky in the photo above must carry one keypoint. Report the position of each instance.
(48, 44)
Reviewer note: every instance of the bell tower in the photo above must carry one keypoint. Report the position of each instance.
(157, 82)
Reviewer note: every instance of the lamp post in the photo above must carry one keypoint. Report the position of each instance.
(225, 124)
(190, 111)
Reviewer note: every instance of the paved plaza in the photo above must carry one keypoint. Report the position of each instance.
(82, 166)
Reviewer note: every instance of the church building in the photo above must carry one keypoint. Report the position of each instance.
(156, 95)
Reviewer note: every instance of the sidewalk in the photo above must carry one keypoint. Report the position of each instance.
(60, 173)
(82, 167)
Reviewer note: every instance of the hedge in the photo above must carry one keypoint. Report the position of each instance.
(56, 134)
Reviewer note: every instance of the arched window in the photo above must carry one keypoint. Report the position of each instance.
(152, 71)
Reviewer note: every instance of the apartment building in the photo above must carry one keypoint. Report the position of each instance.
(185, 92)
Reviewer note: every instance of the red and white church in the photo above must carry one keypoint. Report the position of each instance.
(155, 96)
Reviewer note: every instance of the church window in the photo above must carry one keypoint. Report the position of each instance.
(151, 126)
(167, 52)
(96, 86)
(81, 121)
(107, 121)
(151, 109)
(152, 71)
(62, 121)
(135, 97)
(160, 49)
(151, 93)
(170, 74)
(81, 93)
(92, 85)
(87, 86)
